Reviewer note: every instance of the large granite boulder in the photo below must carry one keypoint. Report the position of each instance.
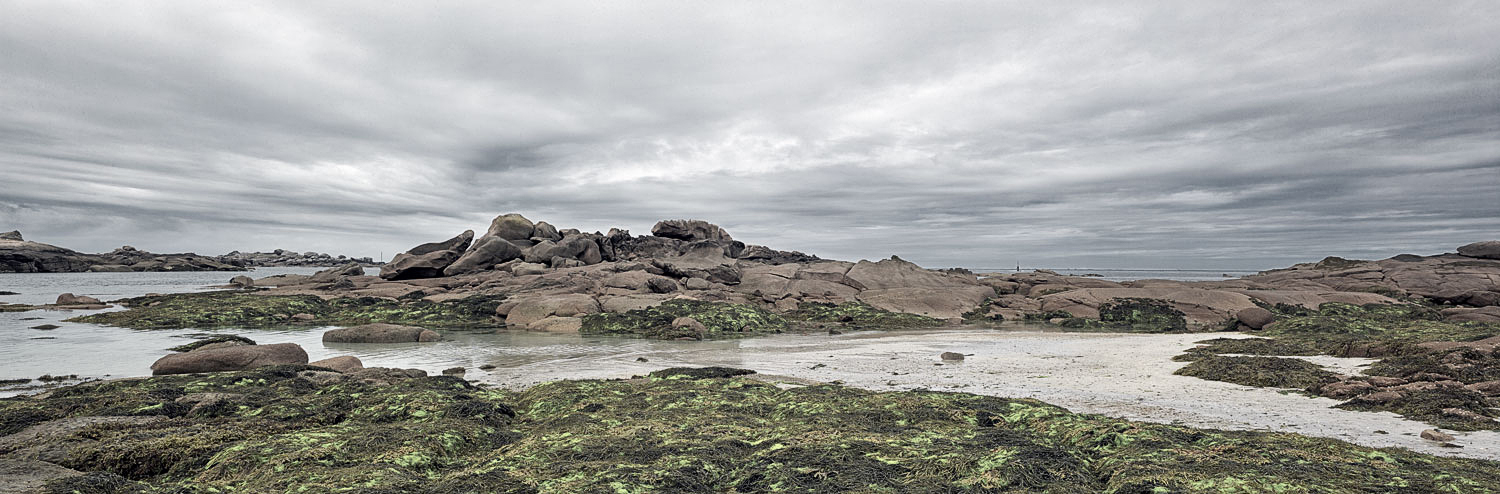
(485, 254)
(334, 274)
(1489, 249)
(545, 231)
(511, 226)
(899, 286)
(229, 359)
(427, 260)
(580, 247)
(704, 259)
(690, 230)
(381, 333)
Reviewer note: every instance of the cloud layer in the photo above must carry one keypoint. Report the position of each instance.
(975, 134)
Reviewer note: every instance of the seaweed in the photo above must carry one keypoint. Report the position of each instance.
(858, 315)
(1142, 315)
(1275, 372)
(297, 429)
(251, 310)
(720, 320)
(1247, 346)
(211, 340)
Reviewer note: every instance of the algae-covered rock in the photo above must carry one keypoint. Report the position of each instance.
(859, 315)
(718, 319)
(249, 310)
(218, 341)
(680, 430)
(1142, 315)
(380, 333)
(1273, 372)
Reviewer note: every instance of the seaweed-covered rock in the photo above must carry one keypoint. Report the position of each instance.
(1142, 315)
(380, 333)
(229, 359)
(1260, 372)
(859, 315)
(718, 319)
(251, 310)
(212, 342)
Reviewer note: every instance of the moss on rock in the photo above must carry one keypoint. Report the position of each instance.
(859, 315)
(250, 310)
(720, 320)
(683, 432)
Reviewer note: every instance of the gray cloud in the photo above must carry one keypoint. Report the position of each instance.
(1182, 134)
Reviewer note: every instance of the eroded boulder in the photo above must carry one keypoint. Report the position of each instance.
(690, 230)
(486, 253)
(229, 359)
(427, 260)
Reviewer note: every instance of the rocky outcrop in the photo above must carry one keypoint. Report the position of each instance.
(12, 235)
(704, 260)
(427, 260)
(229, 359)
(1489, 249)
(21, 256)
(381, 333)
(283, 257)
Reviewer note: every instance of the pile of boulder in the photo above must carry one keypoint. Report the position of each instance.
(283, 257)
(553, 277)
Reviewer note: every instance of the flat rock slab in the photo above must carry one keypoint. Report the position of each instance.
(28, 476)
(381, 333)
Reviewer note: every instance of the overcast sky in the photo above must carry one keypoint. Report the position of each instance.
(1243, 134)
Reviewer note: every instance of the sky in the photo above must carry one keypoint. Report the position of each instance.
(1193, 134)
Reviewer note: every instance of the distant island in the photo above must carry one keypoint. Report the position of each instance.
(18, 255)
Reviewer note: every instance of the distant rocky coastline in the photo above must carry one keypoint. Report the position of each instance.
(17, 255)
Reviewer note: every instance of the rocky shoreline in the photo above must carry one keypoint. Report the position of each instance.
(18, 255)
(1432, 323)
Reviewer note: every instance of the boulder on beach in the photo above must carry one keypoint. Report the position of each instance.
(71, 299)
(1255, 317)
(345, 364)
(487, 252)
(427, 260)
(333, 274)
(242, 281)
(229, 359)
(381, 333)
(534, 309)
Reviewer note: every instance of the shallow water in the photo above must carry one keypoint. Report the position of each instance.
(1120, 375)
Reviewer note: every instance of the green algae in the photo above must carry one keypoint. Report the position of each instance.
(859, 316)
(683, 430)
(1391, 332)
(250, 310)
(1125, 315)
(720, 320)
(1273, 372)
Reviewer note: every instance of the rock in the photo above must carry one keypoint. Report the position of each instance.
(535, 309)
(1381, 397)
(454, 371)
(546, 231)
(345, 364)
(697, 284)
(1489, 249)
(690, 230)
(46, 327)
(577, 247)
(1255, 317)
(70, 299)
(31, 476)
(12, 235)
(658, 284)
(242, 281)
(303, 317)
(1436, 435)
(228, 359)
(511, 226)
(688, 325)
(528, 268)
(951, 356)
(333, 274)
(427, 260)
(380, 333)
(110, 268)
(702, 260)
(487, 252)
(634, 280)
(556, 324)
(1465, 414)
(1487, 388)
